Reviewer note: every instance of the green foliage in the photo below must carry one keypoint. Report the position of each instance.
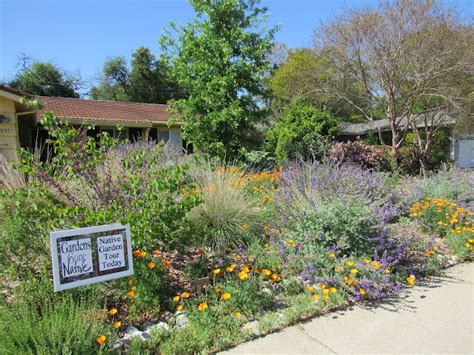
(302, 77)
(148, 80)
(461, 244)
(229, 215)
(303, 132)
(45, 79)
(221, 61)
(93, 183)
(65, 327)
(149, 284)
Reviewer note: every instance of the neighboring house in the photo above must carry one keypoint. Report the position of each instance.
(462, 144)
(20, 127)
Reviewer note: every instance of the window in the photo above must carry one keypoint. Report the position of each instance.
(164, 136)
(120, 134)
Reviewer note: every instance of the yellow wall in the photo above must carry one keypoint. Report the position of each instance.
(9, 142)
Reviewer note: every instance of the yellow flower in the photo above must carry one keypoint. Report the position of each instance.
(143, 254)
(136, 253)
(326, 297)
(362, 291)
(245, 226)
(113, 311)
(151, 265)
(217, 271)
(387, 271)
(411, 280)
(276, 277)
(315, 297)
(131, 294)
(376, 265)
(243, 275)
(331, 255)
(202, 306)
(166, 264)
(325, 291)
(266, 272)
(310, 288)
(225, 296)
(467, 245)
(366, 261)
(246, 269)
(322, 286)
(266, 245)
(229, 269)
(180, 308)
(156, 252)
(237, 314)
(185, 295)
(176, 298)
(117, 324)
(101, 339)
(290, 241)
(332, 290)
(354, 271)
(217, 289)
(350, 263)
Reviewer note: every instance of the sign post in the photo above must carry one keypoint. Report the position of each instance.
(89, 255)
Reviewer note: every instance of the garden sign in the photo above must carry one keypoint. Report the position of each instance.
(89, 255)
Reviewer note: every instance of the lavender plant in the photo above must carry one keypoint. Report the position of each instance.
(340, 206)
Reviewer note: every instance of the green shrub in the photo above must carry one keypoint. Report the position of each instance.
(303, 132)
(65, 327)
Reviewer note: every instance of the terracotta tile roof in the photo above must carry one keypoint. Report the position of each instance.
(97, 110)
(14, 91)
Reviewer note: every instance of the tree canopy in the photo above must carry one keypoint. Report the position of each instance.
(148, 79)
(45, 79)
(221, 59)
(404, 54)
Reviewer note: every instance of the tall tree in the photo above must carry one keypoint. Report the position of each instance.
(148, 80)
(401, 52)
(45, 79)
(301, 77)
(221, 59)
(113, 84)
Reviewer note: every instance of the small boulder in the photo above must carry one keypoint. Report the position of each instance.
(252, 327)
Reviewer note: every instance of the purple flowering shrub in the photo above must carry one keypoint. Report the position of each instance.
(328, 206)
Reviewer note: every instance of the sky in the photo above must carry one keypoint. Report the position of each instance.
(79, 35)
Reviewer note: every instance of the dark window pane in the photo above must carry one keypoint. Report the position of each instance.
(164, 136)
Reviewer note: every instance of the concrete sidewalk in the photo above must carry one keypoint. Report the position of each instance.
(432, 317)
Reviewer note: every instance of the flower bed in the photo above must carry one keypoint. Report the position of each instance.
(221, 254)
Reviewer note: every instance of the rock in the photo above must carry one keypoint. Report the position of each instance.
(252, 327)
(132, 332)
(159, 327)
(147, 325)
(120, 345)
(453, 260)
(181, 320)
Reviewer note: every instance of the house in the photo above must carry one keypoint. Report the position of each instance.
(462, 143)
(20, 127)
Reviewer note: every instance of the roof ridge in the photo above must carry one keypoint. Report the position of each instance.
(94, 100)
